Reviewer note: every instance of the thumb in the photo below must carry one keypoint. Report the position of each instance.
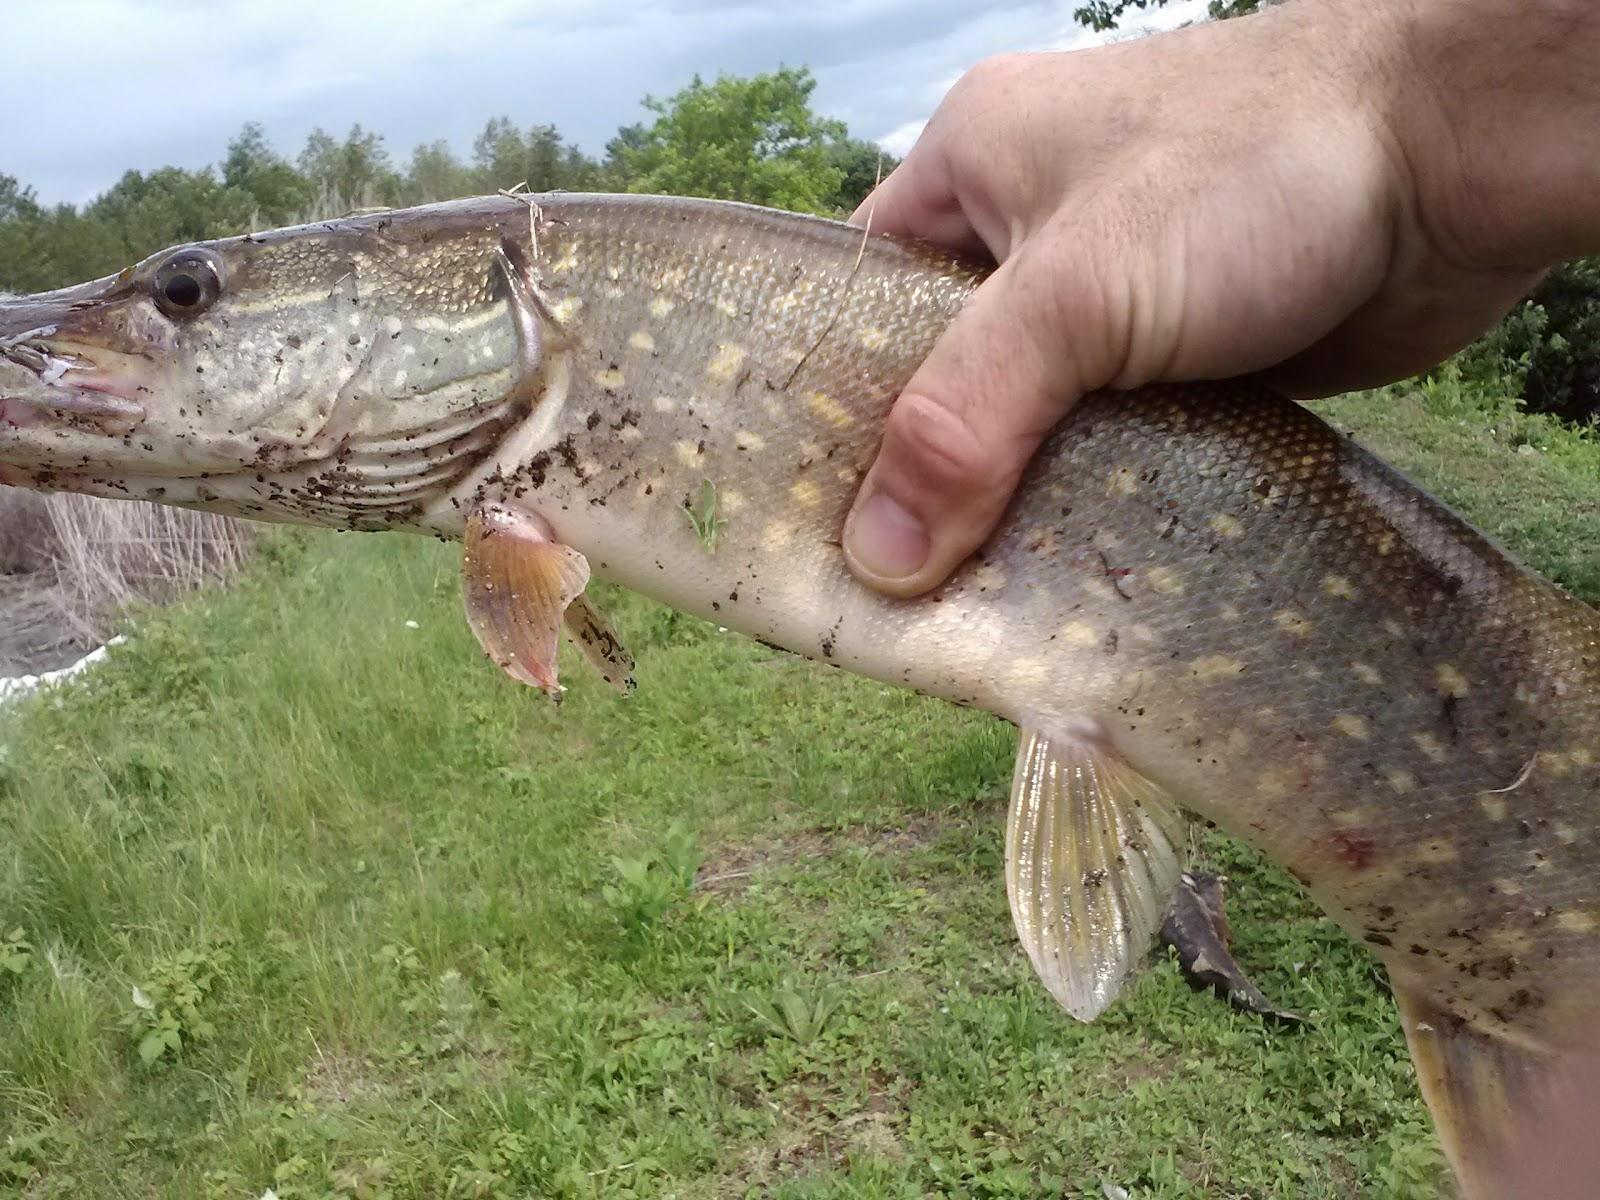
(965, 426)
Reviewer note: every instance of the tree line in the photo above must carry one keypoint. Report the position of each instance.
(755, 139)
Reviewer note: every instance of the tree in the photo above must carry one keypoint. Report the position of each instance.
(1103, 15)
(146, 213)
(863, 164)
(252, 166)
(539, 159)
(437, 174)
(753, 139)
(355, 173)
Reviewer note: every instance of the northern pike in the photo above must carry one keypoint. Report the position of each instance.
(1203, 599)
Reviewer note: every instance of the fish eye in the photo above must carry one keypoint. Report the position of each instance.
(187, 282)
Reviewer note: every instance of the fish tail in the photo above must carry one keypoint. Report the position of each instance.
(1514, 1121)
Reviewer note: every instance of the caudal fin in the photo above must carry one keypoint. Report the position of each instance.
(1516, 1123)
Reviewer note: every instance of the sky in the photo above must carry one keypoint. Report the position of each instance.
(149, 83)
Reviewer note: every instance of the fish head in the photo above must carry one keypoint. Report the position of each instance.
(345, 374)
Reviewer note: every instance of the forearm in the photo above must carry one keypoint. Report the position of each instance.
(1493, 107)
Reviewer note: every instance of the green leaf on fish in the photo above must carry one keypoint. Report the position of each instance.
(703, 516)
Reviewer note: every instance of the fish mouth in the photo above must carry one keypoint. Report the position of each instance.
(61, 385)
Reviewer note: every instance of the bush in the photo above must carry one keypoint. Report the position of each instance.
(1548, 347)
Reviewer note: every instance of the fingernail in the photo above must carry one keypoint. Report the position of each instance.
(886, 540)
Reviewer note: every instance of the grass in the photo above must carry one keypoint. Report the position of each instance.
(295, 895)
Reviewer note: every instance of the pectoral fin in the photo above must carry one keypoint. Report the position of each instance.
(517, 586)
(1093, 852)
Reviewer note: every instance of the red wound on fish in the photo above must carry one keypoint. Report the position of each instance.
(1353, 848)
(517, 584)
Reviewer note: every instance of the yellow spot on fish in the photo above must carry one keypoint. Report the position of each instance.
(1366, 673)
(1027, 673)
(1228, 526)
(567, 261)
(1123, 482)
(777, 535)
(1402, 781)
(611, 379)
(794, 297)
(746, 440)
(613, 272)
(806, 493)
(1353, 726)
(1338, 585)
(829, 409)
(661, 307)
(688, 453)
(725, 363)
(663, 404)
(727, 307)
(1554, 763)
(1386, 544)
(671, 279)
(1451, 681)
(1165, 581)
(1275, 783)
(1429, 745)
(873, 338)
(1215, 666)
(1581, 756)
(642, 340)
(1436, 850)
(1292, 622)
(564, 309)
(1493, 806)
(1577, 920)
(1076, 633)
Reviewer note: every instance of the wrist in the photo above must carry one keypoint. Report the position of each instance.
(1492, 108)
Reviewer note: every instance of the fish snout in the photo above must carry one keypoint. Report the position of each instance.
(46, 385)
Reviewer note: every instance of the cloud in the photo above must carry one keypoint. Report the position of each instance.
(146, 83)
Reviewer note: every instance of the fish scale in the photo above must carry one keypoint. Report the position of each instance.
(1202, 597)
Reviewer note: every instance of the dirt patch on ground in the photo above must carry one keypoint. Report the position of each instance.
(732, 867)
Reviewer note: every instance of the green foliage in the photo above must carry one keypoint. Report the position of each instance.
(754, 139)
(1546, 350)
(648, 886)
(169, 1012)
(1105, 15)
(795, 1012)
(702, 514)
(16, 955)
(352, 174)
(252, 166)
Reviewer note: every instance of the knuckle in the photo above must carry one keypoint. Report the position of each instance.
(939, 450)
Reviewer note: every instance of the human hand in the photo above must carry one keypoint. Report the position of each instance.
(1312, 194)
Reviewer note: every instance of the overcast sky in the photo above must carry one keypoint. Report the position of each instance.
(93, 87)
